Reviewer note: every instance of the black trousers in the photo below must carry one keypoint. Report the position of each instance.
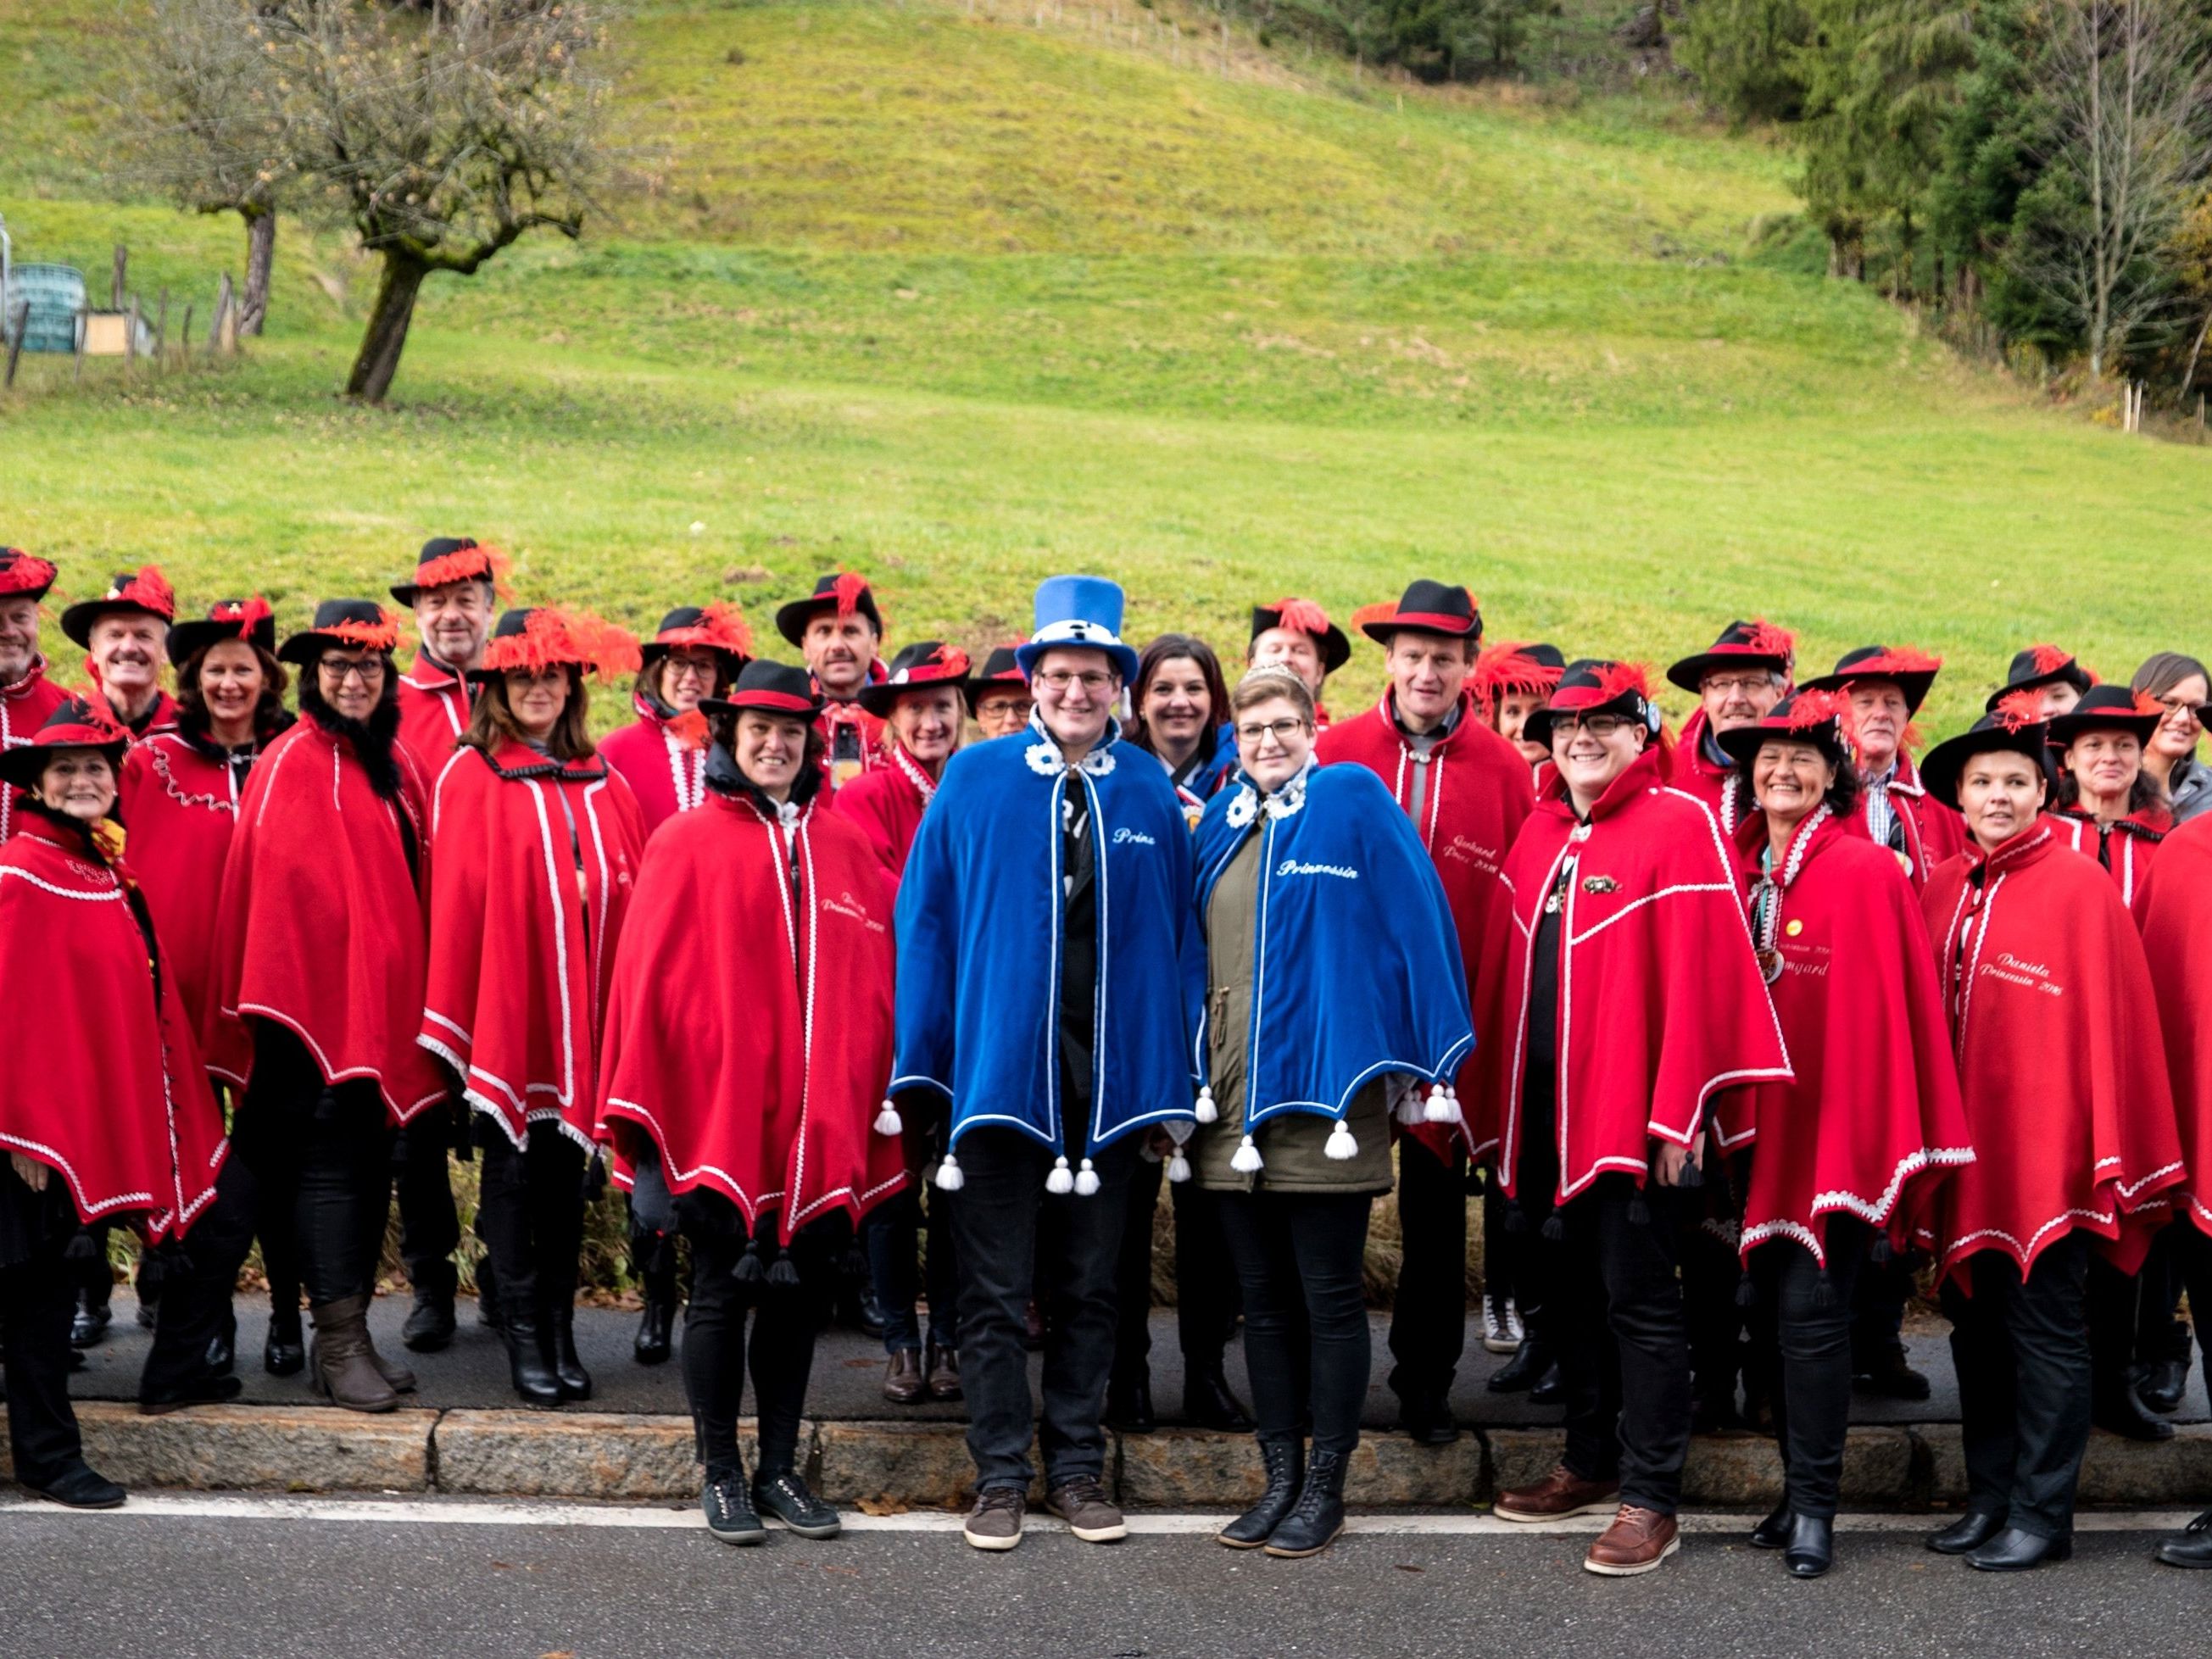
(326, 1152)
(716, 1354)
(531, 1215)
(1498, 1257)
(1710, 1272)
(1533, 1262)
(39, 1287)
(1012, 1240)
(1808, 1326)
(198, 1276)
(1206, 1281)
(430, 1225)
(894, 1234)
(2021, 1348)
(1878, 1307)
(1428, 1317)
(1623, 1340)
(1306, 1345)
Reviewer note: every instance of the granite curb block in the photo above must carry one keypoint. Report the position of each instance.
(627, 1457)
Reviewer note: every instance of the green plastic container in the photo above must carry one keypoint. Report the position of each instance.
(57, 294)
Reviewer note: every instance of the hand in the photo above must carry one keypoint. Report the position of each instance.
(1162, 1142)
(1667, 1164)
(28, 1170)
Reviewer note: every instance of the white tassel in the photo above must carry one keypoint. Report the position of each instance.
(1248, 1157)
(1086, 1180)
(1207, 1111)
(1060, 1180)
(949, 1178)
(1178, 1166)
(888, 1121)
(1342, 1144)
(1409, 1108)
(1451, 1094)
(1439, 1110)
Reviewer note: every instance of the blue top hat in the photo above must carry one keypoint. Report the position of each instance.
(1082, 611)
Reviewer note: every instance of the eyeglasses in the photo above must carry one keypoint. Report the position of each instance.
(1280, 731)
(1096, 681)
(690, 668)
(1726, 683)
(1603, 727)
(367, 670)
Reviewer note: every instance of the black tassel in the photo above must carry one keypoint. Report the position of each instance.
(1747, 1293)
(1881, 1251)
(1640, 1212)
(1554, 1230)
(1824, 1292)
(1517, 1218)
(783, 1273)
(80, 1247)
(749, 1270)
(1692, 1174)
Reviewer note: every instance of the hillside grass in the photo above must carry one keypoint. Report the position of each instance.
(961, 301)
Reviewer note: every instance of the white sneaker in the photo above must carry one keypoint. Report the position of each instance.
(1501, 1325)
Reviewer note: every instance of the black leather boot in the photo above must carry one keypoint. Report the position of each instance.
(1208, 1403)
(223, 1346)
(430, 1322)
(1524, 1370)
(1428, 1419)
(1811, 1550)
(1550, 1390)
(2164, 1383)
(655, 1256)
(90, 1323)
(1318, 1516)
(2015, 1550)
(1968, 1534)
(530, 1360)
(1285, 1461)
(1772, 1532)
(575, 1381)
(2115, 1406)
(1129, 1406)
(285, 1353)
(2193, 1547)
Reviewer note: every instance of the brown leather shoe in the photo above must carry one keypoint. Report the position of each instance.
(1557, 1496)
(944, 1367)
(1637, 1541)
(904, 1382)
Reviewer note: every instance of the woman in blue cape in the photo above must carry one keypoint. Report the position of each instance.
(1333, 981)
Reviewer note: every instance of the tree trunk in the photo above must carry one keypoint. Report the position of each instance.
(378, 360)
(260, 253)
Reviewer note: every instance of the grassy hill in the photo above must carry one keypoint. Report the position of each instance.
(963, 298)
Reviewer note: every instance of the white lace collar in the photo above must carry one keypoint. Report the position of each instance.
(1285, 802)
(1045, 759)
(915, 774)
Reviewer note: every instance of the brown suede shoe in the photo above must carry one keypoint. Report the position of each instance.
(904, 1383)
(1557, 1496)
(1637, 1541)
(1082, 1503)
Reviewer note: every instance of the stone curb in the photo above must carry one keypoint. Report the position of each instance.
(912, 1465)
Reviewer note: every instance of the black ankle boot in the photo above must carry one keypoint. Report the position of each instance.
(2015, 1550)
(2114, 1406)
(1318, 1516)
(285, 1352)
(1524, 1370)
(575, 1381)
(529, 1359)
(656, 1329)
(1772, 1532)
(1968, 1533)
(1207, 1402)
(223, 1346)
(1286, 1462)
(1811, 1549)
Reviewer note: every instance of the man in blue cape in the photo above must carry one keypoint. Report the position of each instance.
(1047, 959)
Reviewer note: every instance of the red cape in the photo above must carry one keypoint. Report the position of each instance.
(319, 927)
(434, 711)
(750, 1037)
(2173, 907)
(886, 806)
(1688, 769)
(521, 959)
(24, 707)
(103, 1082)
(1873, 1120)
(1661, 1003)
(1479, 794)
(2054, 1020)
(666, 775)
(1933, 831)
(2124, 850)
(179, 808)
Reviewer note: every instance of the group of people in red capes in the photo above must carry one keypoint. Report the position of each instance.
(1764, 979)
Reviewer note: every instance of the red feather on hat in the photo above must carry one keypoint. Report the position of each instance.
(848, 588)
(382, 634)
(475, 562)
(1621, 678)
(1898, 659)
(2017, 710)
(726, 629)
(1766, 640)
(150, 588)
(1383, 610)
(555, 638)
(1300, 617)
(247, 616)
(2050, 659)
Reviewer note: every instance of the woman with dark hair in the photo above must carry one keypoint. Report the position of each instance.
(2182, 686)
(739, 1087)
(105, 1113)
(539, 844)
(1849, 1149)
(2108, 806)
(179, 800)
(695, 655)
(318, 972)
(1181, 706)
(1179, 702)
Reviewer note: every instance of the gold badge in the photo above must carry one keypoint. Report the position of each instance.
(1600, 885)
(1794, 928)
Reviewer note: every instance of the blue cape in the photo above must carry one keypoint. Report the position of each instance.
(1357, 967)
(980, 938)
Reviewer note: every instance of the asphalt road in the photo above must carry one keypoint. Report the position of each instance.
(323, 1578)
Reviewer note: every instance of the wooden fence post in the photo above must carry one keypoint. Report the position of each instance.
(116, 287)
(161, 328)
(185, 334)
(24, 321)
(81, 312)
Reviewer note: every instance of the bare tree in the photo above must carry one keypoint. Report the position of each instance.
(2127, 88)
(205, 124)
(441, 136)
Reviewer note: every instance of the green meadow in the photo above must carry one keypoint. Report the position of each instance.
(960, 299)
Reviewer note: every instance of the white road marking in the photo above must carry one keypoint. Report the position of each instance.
(473, 1512)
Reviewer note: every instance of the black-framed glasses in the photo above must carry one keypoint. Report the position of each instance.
(1281, 730)
(1603, 727)
(369, 670)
